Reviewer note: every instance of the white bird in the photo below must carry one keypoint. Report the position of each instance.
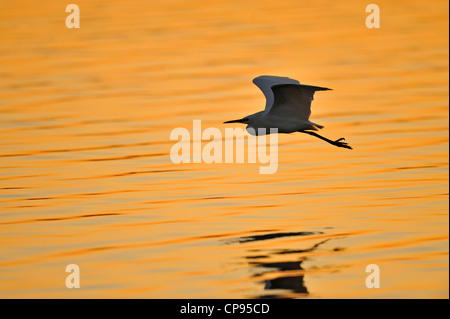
(288, 107)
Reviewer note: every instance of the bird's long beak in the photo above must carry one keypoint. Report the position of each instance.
(234, 121)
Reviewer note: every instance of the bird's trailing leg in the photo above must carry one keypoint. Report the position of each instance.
(337, 143)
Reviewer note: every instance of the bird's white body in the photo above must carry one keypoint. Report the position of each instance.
(283, 124)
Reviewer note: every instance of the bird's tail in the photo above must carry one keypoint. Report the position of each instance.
(317, 125)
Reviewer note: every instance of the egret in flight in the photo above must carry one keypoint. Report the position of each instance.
(288, 107)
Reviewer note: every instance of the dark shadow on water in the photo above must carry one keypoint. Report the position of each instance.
(288, 275)
(246, 239)
(293, 285)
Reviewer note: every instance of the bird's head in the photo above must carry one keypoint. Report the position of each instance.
(251, 121)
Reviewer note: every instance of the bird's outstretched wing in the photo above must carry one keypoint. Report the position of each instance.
(287, 97)
(265, 83)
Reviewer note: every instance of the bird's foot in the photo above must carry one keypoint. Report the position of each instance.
(339, 143)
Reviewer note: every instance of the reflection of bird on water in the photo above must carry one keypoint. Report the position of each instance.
(288, 107)
(291, 283)
(290, 275)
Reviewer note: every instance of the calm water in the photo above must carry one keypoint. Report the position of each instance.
(86, 176)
